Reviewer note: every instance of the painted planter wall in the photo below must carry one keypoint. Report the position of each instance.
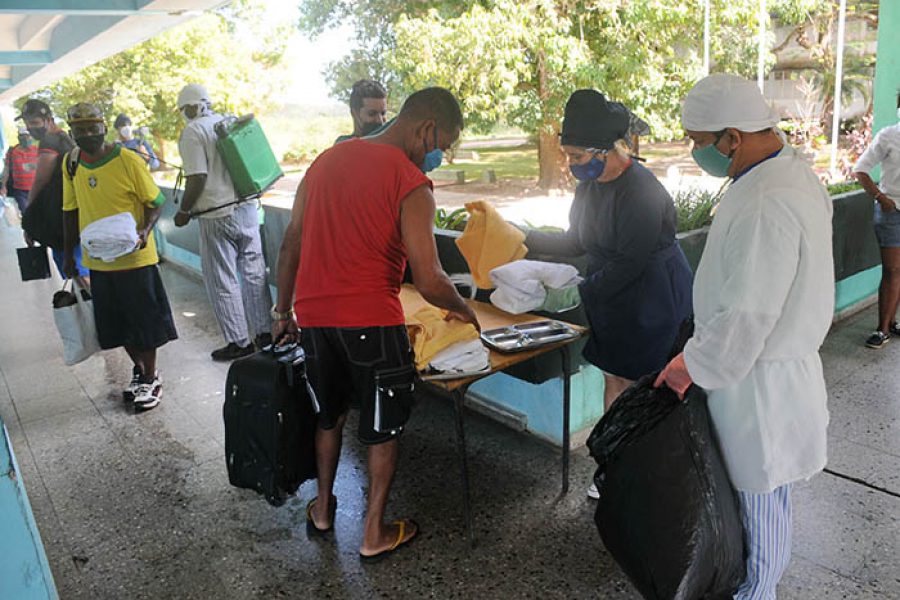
(531, 393)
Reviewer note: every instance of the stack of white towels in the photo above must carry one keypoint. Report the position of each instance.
(111, 237)
(462, 358)
(521, 286)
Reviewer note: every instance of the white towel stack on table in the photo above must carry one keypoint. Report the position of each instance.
(521, 286)
(462, 357)
(111, 237)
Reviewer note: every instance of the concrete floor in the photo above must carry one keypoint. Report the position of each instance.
(139, 506)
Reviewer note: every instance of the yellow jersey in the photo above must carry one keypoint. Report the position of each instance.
(117, 183)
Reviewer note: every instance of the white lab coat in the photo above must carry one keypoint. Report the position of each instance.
(763, 301)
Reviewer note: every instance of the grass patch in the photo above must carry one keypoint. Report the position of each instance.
(518, 162)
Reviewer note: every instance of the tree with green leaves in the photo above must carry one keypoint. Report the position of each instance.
(144, 81)
(516, 62)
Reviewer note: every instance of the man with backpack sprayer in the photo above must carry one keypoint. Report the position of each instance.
(231, 256)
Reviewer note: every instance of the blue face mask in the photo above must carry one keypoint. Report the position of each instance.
(711, 160)
(589, 171)
(434, 158)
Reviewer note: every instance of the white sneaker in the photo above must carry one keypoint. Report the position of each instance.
(147, 394)
(128, 392)
(592, 492)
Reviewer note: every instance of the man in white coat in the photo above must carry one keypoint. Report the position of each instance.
(763, 302)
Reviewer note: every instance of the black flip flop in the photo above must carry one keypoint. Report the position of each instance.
(311, 528)
(398, 543)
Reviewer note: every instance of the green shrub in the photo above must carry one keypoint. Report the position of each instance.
(694, 208)
(844, 186)
(548, 228)
(455, 220)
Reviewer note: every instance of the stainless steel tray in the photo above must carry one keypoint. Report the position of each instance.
(527, 336)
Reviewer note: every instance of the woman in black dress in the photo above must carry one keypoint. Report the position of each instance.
(637, 289)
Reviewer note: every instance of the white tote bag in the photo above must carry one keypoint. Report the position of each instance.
(76, 327)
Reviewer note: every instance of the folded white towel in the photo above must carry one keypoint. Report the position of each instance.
(516, 301)
(462, 357)
(520, 273)
(111, 237)
(522, 285)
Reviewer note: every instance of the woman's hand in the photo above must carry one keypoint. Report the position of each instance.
(887, 205)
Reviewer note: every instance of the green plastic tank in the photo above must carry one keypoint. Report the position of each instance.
(247, 155)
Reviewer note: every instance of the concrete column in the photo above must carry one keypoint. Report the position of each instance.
(887, 66)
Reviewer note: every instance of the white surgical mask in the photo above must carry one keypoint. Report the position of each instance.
(202, 111)
(125, 131)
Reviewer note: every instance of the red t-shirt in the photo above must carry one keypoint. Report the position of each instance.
(352, 256)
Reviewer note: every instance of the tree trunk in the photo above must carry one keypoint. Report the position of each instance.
(160, 150)
(552, 161)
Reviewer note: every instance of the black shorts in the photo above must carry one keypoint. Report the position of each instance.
(372, 365)
(131, 309)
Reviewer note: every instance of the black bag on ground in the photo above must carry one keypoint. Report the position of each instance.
(270, 423)
(33, 263)
(667, 513)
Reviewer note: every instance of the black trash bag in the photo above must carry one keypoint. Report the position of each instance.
(667, 513)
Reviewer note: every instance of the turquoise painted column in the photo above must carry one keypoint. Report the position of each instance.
(887, 65)
(24, 572)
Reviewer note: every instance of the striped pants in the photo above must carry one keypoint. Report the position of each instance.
(234, 272)
(767, 520)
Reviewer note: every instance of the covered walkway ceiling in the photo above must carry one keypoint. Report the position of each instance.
(42, 41)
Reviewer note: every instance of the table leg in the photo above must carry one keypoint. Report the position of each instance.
(567, 375)
(459, 398)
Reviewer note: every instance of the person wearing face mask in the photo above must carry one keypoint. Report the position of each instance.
(637, 289)
(19, 170)
(125, 134)
(764, 301)
(885, 151)
(231, 255)
(340, 269)
(42, 219)
(368, 108)
(131, 309)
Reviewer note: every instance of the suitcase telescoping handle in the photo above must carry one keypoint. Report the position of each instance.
(290, 354)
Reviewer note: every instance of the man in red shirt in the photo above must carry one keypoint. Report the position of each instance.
(19, 169)
(363, 209)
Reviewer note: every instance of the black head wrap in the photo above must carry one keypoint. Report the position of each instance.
(590, 121)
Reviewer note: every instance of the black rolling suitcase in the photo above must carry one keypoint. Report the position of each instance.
(270, 423)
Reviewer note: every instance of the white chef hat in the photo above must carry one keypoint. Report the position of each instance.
(721, 101)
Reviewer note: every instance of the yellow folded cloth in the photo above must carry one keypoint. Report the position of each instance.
(429, 333)
(489, 242)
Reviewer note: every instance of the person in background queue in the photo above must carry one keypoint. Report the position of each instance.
(46, 191)
(19, 170)
(131, 308)
(125, 135)
(368, 108)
